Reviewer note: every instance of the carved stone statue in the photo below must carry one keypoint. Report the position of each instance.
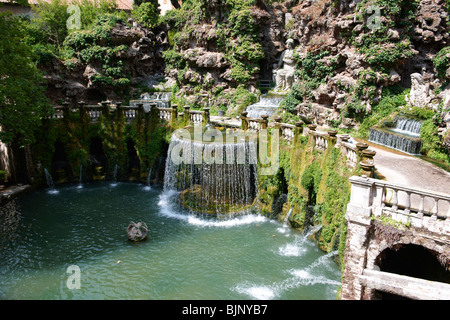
(420, 95)
(284, 69)
(137, 231)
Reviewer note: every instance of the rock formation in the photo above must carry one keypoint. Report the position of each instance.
(137, 231)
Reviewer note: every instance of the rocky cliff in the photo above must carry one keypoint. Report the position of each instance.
(347, 52)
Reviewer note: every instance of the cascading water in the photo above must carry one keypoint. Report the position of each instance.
(267, 105)
(404, 137)
(215, 178)
(408, 126)
(286, 220)
(50, 183)
(80, 183)
(116, 169)
(149, 176)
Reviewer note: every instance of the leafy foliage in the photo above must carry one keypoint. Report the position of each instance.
(442, 61)
(147, 13)
(22, 99)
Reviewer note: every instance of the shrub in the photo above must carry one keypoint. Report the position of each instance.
(442, 61)
(147, 14)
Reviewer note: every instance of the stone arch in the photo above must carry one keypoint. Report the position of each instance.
(408, 239)
(412, 260)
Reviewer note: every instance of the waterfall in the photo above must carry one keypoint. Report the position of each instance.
(213, 177)
(116, 169)
(404, 137)
(50, 183)
(266, 105)
(80, 184)
(286, 220)
(147, 186)
(408, 126)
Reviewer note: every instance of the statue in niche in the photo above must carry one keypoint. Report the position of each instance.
(421, 94)
(284, 69)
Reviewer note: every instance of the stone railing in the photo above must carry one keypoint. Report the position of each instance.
(320, 140)
(287, 131)
(168, 114)
(418, 207)
(136, 109)
(357, 154)
(94, 112)
(130, 113)
(254, 124)
(58, 113)
(350, 152)
(196, 116)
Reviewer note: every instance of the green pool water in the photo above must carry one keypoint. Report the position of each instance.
(185, 257)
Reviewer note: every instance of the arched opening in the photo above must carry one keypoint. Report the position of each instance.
(97, 158)
(60, 166)
(412, 261)
(134, 163)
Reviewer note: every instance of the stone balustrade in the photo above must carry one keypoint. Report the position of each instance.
(408, 205)
(350, 152)
(94, 112)
(166, 114)
(321, 141)
(196, 116)
(287, 131)
(255, 124)
(130, 113)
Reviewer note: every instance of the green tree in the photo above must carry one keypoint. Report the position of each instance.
(147, 13)
(51, 17)
(22, 99)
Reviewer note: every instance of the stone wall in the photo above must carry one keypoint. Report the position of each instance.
(375, 224)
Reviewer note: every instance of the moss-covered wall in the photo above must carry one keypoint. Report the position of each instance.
(318, 191)
(75, 134)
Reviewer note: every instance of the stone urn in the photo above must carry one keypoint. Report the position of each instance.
(345, 137)
(312, 127)
(137, 231)
(332, 133)
(368, 154)
(361, 146)
(221, 113)
(368, 168)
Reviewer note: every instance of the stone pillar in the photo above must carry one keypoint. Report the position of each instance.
(277, 122)
(298, 130)
(66, 111)
(358, 218)
(206, 115)
(332, 139)
(174, 113)
(140, 112)
(187, 117)
(244, 120)
(265, 121)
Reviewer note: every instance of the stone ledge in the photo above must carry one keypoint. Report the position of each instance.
(12, 192)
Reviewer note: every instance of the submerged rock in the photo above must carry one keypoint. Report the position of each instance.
(137, 231)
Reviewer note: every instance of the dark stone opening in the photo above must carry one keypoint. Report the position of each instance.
(413, 261)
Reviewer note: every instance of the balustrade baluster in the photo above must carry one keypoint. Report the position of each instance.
(435, 209)
(421, 205)
(408, 202)
(395, 200)
(383, 197)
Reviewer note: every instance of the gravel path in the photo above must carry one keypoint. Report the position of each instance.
(408, 170)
